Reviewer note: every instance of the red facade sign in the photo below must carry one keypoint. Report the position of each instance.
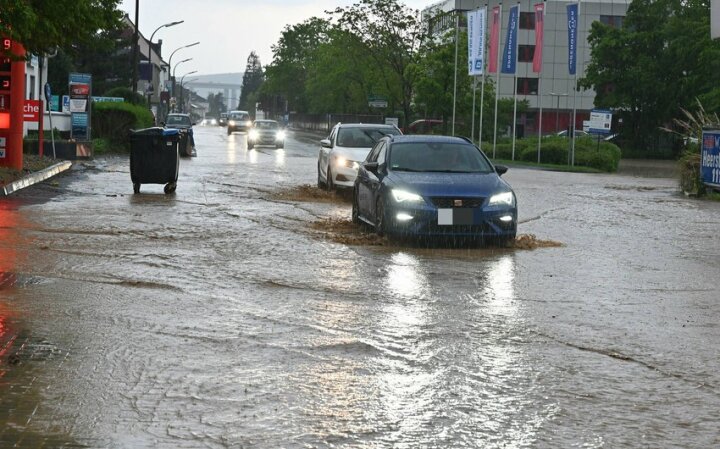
(79, 90)
(32, 110)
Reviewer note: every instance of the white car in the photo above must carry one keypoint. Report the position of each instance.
(345, 148)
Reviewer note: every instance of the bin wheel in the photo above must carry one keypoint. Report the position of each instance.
(170, 187)
(136, 187)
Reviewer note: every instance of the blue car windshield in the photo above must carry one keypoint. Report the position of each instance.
(438, 157)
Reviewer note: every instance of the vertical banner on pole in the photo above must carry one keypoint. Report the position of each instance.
(510, 53)
(476, 41)
(494, 40)
(573, 13)
(510, 62)
(537, 65)
(572, 18)
(539, 31)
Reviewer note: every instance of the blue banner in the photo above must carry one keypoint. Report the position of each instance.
(572, 15)
(710, 158)
(510, 53)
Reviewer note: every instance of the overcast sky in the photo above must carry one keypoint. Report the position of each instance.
(228, 30)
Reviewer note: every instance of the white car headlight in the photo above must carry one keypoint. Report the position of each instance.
(280, 135)
(231, 123)
(502, 198)
(248, 123)
(342, 161)
(402, 196)
(253, 134)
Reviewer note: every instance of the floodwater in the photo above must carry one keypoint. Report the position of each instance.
(244, 311)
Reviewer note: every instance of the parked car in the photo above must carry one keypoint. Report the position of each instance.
(434, 186)
(266, 132)
(238, 121)
(578, 133)
(425, 126)
(183, 122)
(341, 153)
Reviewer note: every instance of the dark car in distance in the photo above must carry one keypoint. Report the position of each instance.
(266, 132)
(434, 186)
(184, 123)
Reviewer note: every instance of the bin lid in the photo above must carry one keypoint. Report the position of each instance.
(154, 131)
(170, 132)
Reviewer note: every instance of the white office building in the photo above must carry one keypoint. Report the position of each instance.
(552, 89)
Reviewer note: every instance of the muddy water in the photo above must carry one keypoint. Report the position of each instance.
(230, 315)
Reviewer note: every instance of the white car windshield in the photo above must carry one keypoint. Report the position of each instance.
(363, 137)
(266, 125)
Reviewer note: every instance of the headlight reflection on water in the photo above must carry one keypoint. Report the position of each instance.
(280, 157)
(501, 282)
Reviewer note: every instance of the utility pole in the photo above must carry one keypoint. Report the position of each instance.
(136, 41)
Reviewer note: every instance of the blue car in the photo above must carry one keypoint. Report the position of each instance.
(434, 186)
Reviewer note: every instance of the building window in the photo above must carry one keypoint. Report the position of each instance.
(527, 86)
(526, 53)
(612, 21)
(527, 20)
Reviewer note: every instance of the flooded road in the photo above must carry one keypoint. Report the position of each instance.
(224, 316)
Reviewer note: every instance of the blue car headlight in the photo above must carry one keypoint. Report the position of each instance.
(499, 199)
(403, 196)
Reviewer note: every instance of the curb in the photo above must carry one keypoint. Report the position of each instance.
(38, 176)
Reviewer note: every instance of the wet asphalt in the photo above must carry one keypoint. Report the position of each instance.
(219, 316)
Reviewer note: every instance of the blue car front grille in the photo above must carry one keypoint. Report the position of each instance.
(452, 202)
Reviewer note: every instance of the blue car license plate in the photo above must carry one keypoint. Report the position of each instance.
(459, 216)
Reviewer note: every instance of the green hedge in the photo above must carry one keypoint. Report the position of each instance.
(113, 121)
(554, 150)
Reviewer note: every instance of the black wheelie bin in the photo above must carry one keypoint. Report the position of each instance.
(154, 157)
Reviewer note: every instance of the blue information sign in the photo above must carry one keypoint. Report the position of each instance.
(710, 158)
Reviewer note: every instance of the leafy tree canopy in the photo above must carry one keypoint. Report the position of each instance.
(659, 62)
(252, 81)
(43, 25)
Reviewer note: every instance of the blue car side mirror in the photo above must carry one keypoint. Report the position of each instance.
(371, 166)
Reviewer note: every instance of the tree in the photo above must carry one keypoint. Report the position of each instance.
(216, 104)
(342, 63)
(42, 25)
(252, 81)
(293, 58)
(391, 35)
(107, 58)
(659, 62)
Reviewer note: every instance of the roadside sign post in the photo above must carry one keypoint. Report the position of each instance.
(600, 123)
(48, 97)
(710, 158)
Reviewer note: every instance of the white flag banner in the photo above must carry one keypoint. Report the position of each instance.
(477, 23)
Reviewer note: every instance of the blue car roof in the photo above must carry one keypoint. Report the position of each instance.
(427, 138)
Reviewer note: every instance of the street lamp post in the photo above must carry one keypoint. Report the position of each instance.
(150, 44)
(153, 35)
(175, 68)
(182, 92)
(170, 62)
(557, 110)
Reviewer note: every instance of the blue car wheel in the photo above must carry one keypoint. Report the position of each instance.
(380, 222)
